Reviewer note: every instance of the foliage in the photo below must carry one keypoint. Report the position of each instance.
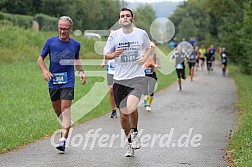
(86, 14)
(144, 16)
(224, 23)
(25, 7)
(17, 20)
(246, 40)
(46, 23)
(191, 13)
(183, 28)
(28, 44)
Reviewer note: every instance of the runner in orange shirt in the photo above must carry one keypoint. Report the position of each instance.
(150, 66)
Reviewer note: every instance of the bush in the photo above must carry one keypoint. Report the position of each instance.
(46, 23)
(17, 20)
(1, 15)
(6, 22)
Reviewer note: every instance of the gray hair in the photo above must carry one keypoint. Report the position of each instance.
(68, 19)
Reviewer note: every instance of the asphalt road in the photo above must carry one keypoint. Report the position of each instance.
(185, 128)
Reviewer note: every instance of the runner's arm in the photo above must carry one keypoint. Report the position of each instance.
(47, 75)
(110, 56)
(80, 70)
(104, 62)
(143, 59)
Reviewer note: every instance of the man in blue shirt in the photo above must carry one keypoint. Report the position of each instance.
(64, 54)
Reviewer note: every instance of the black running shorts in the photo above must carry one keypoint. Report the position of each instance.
(61, 94)
(181, 73)
(123, 88)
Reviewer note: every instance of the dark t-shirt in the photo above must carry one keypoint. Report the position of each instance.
(224, 56)
(192, 57)
(209, 57)
(212, 52)
(62, 55)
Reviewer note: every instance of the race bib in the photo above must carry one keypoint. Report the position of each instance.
(129, 57)
(179, 66)
(60, 78)
(148, 71)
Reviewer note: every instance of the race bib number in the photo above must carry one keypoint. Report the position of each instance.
(129, 57)
(179, 66)
(148, 71)
(223, 60)
(60, 78)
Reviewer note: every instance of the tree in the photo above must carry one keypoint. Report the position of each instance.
(187, 28)
(28, 7)
(246, 61)
(191, 10)
(144, 16)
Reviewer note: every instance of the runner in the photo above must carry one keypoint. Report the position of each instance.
(192, 41)
(209, 58)
(110, 69)
(224, 60)
(127, 45)
(192, 62)
(151, 78)
(212, 52)
(180, 58)
(61, 78)
(202, 52)
(197, 57)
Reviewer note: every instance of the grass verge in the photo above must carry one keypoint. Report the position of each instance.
(240, 145)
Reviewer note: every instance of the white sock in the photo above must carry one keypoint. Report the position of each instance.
(62, 139)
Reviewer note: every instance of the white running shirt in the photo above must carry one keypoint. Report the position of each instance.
(133, 45)
(110, 66)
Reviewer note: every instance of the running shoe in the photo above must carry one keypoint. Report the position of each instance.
(135, 140)
(62, 145)
(148, 108)
(113, 114)
(180, 88)
(130, 151)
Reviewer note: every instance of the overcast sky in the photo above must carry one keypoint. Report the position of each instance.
(149, 1)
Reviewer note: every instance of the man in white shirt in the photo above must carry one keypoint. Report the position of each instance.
(130, 47)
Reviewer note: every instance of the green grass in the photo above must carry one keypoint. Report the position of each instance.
(17, 44)
(241, 141)
(26, 111)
